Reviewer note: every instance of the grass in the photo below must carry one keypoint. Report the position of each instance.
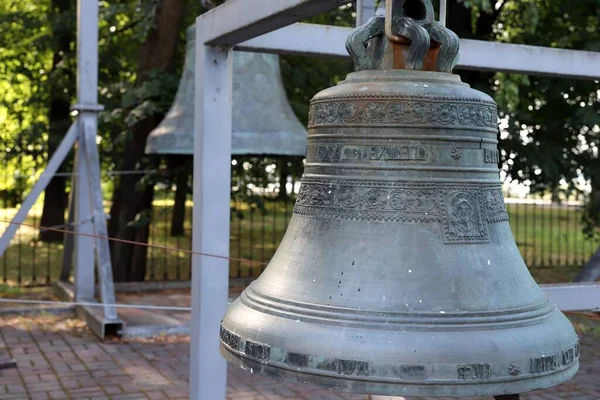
(550, 240)
(586, 324)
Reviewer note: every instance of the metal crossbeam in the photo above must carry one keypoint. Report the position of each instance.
(365, 9)
(325, 41)
(234, 22)
(534, 60)
(575, 296)
(329, 41)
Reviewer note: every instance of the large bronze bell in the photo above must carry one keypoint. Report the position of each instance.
(263, 120)
(399, 274)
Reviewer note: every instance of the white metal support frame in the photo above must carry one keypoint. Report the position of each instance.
(212, 178)
(365, 9)
(87, 108)
(235, 24)
(86, 208)
(329, 41)
(238, 20)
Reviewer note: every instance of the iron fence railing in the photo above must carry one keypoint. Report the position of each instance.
(549, 236)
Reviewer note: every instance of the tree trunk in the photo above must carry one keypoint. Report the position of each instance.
(131, 197)
(139, 254)
(130, 218)
(181, 191)
(284, 172)
(555, 195)
(55, 198)
(53, 213)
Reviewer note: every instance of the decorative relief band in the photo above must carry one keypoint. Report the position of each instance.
(557, 361)
(465, 211)
(413, 112)
(491, 156)
(409, 204)
(339, 152)
(495, 208)
(463, 219)
(413, 153)
(253, 350)
(483, 372)
(468, 372)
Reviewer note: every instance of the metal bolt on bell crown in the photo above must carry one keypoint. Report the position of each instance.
(399, 274)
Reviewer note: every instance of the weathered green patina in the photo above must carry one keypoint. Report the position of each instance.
(399, 274)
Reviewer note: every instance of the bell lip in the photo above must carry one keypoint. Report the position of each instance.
(455, 389)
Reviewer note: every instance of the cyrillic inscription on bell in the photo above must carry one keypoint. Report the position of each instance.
(399, 274)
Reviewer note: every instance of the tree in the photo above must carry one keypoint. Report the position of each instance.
(20, 73)
(61, 91)
(181, 172)
(132, 199)
(552, 131)
(37, 81)
(551, 134)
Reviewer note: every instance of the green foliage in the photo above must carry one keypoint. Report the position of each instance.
(153, 97)
(477, 7)
(25, 66)
(30, 33)
(250, 174)
(305, 76)
(553, 132)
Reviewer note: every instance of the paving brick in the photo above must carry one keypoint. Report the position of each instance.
(157, 395)
(86, 392)
(38, 396)
(58, 395)
(15, 388)
(12, 397)
(43, 386)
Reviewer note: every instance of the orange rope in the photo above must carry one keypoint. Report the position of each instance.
(133, 242)
(585, 315)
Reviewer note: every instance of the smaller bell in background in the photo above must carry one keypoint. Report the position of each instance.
(399, 273)
(263, 120)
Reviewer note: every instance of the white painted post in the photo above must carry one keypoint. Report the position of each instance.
(87, 55)
(68, 242)
(365, 9)
(105, 275)
(443, 12)
(212, 185)
(83, 258)
(87, 106)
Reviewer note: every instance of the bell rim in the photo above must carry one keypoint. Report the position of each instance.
(403, 75)
(324, 97)
(391, 387)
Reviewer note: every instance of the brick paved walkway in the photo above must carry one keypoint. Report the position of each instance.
(59, 359)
